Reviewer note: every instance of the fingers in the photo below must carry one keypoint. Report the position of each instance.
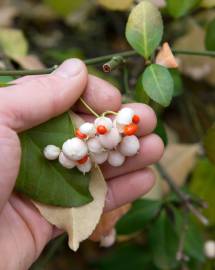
(101, 96)
(127, 188)
(35, 101)
(9, 162)
(151, 150)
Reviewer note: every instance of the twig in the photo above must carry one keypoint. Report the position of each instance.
(100, 59)
(184, 197)
(180, 256)
(113, 63)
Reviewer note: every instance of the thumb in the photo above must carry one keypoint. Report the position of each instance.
(35, 101)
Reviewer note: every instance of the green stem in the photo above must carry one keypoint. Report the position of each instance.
(195, 53)
(97, 60)
(109, 112)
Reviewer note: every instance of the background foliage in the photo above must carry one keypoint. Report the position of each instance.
(158, 232)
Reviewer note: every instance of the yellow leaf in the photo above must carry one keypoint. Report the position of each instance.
(116, 5)
(208, 3)
(79, 222)
(13, 43)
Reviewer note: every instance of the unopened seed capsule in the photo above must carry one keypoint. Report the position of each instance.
(129, 146)
(115, 158)
(51, 152)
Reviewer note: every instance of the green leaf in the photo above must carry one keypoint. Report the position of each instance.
(164, 242)
(160, 131)
(139, 93)
(64, 7)
(142, 212)
(144, 28)
(194, 242)
(158, 84)
(177, 80)
(210, 36)
(209, 143)
(180, 8)
(203, 185)
(5, 81)
(47, 181)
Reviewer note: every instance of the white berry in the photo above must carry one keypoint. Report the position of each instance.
(100, 158)
(94, 145)
(115, 158)
(111, 139)
(86, 167)
(209, 249)
(109, 239)
(129, 146)
(51, 152)
(75, 149)
(65, 162)
(88, 129)
(124, 116)
(104, 121)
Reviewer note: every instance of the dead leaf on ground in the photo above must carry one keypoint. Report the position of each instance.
(30, 62)
(197, 67)
(13, 43)
(178, 161)
(79, 222)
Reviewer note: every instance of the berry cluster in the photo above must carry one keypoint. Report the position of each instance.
(103, 140)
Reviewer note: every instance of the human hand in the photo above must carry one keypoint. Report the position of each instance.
(34, 100)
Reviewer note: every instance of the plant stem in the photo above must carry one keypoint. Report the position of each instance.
(109, 112)
(88, 107)
(195, 53)
(184, 197)
(98, 60)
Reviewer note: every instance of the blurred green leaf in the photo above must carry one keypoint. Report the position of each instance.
(194, 242)
(47, 181)
(177, 80)
(160, 130)
(126, 257)
(180, 8)
(5, 81)
(116, 5)
(158, 84)
(139, 93)
(210, 36)
(64, 7)
(144, 28)
(164, 242)
(141, 213)
(209, 143)
(203, 185)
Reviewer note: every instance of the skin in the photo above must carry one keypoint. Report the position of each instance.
(34, 100)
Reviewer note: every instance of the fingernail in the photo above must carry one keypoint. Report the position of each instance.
(69, 68)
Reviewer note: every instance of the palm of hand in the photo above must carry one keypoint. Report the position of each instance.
(24, 232)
